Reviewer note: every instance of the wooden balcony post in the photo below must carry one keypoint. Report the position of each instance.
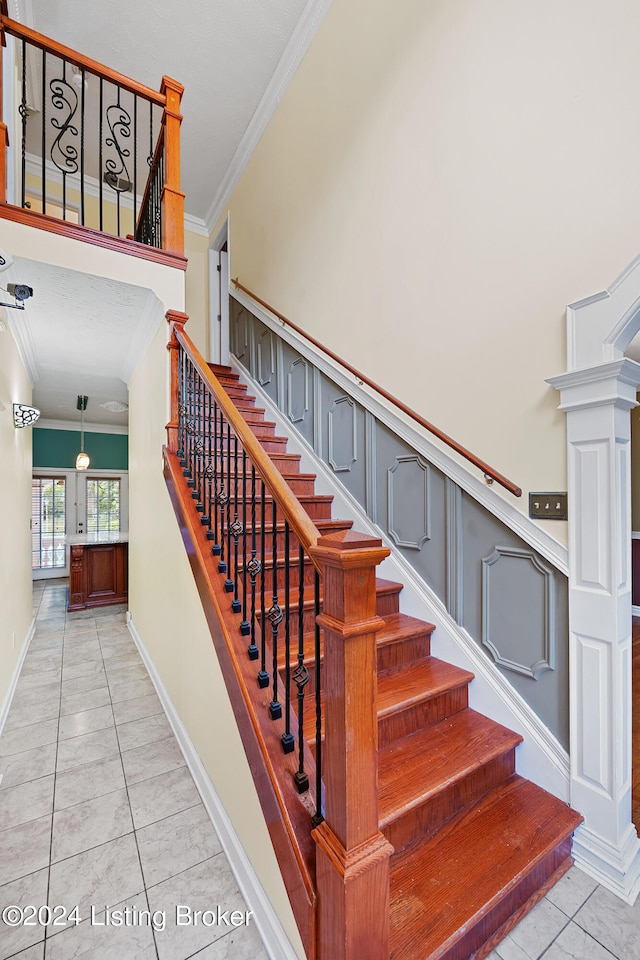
(352, 855)
(176, 320)
(172, 196)
(4, 133)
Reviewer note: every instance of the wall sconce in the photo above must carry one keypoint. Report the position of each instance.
(82, 460)
(24, 416)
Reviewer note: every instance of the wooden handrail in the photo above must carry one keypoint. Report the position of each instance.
(298, 519)
(489, 473)
(92, 66)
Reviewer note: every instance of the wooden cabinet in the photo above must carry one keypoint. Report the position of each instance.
(98, 575)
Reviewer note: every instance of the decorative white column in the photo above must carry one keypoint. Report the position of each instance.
(597, 401)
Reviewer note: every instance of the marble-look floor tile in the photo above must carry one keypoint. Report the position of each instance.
(28, 737)
(241, 944)
(79, 684)
(85, 668)
(139, 733)
(124, 660)
(90, 824)
(152, 759)
(104, 875)
(127, 710)
(24, 849)
(38, 679)
(172, 845)
(79, 702)
(77, 625)
(26, 801)
(28, 765)
(611, 922)
(28, 697)
(88, 721)
(32, 713)
(98, 938)
(162, 796)
(31, 953)
(575, 944)
(206, 886)
(88, 781)
(86, 684)
(570, 893)
(131, 690)
(91, 746)
(30, 889)
(125, 673)
(41, 663)
(533, 935)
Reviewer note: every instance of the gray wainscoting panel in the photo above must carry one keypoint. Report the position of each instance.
(411, 503)
(509, 599)
(343, 437)
(516, 608)
(298, 405)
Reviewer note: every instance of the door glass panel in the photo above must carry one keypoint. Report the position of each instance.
(103, 506)
(48, 502)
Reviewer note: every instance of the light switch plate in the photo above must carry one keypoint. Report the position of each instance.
(548, 506)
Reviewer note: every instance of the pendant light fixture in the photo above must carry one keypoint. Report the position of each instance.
(82, 460)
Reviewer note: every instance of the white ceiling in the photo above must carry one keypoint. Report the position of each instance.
(81, 334)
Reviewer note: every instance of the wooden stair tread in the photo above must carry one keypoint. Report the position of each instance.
(425, 763)
(431, 910)
(418, 681)
(401, 625)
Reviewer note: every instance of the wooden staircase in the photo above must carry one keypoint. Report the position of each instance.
(476, 845)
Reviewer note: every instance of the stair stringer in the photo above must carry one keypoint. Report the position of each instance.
(541, 757)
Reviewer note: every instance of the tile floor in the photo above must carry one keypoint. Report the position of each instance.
(98, 810)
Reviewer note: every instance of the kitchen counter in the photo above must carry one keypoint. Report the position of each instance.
(98, 570)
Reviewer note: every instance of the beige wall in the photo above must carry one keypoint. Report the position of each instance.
(439, 181)
(196, 249)
(168, 615)
(15, 511)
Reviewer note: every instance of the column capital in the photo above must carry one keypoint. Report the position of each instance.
(615, 382)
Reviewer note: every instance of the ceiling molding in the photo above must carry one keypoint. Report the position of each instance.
(290, 60)
(44, 424)
(152, 315)
(18, 322)
(196, 225)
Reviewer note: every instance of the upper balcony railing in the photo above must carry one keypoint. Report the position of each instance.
(87, 151)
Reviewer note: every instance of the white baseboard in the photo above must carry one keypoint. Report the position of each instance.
(274, 939)
(6, 703)
(617, 870)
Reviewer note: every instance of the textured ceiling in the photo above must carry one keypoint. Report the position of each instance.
(224, 52)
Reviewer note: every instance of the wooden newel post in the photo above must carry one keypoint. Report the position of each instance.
(352, 855)
(172, 196)
(176, 320)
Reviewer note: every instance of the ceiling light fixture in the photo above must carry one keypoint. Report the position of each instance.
(24, 416)
(115, 406)
(82, 460)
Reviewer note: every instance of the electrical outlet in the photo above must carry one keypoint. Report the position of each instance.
(548, 506)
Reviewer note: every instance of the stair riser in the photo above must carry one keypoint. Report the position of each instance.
(403, 652)
(308, 618)
(263, 429)
(416, 717)
(527, 890)
(388, 602)
(253, 414)
(426, 819)
(317, 509)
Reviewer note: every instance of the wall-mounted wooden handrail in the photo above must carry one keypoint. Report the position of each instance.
(489, 473)
(298, 519)
(91, 66)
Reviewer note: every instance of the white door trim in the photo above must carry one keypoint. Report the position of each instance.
(218, 296)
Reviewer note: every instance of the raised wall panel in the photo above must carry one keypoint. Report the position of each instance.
(592, 564)
(455, 578)
(342, 434)
(593, 687)
(265, 357)
(623, 507)
(343, 437)
(241, 322)
(409, 502)
(298, 390)
(522, 645)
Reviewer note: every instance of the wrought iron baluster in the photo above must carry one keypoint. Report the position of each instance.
(222, 498)
(275, 616)
(215, 549)
(263, 674)
(245, 629)
(100, 190)
(82, 129)
(301, 679)
(208, 464)
(319, 815)
(22, 110)
(288, 742)
(236, 529)
(254, 567)
(228, 584)
(198, 494)
(44, 130)
(135, 166)
(182, 408)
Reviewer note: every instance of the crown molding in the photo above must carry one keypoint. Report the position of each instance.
(290, 60)
(196, 225)
(44, 424)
